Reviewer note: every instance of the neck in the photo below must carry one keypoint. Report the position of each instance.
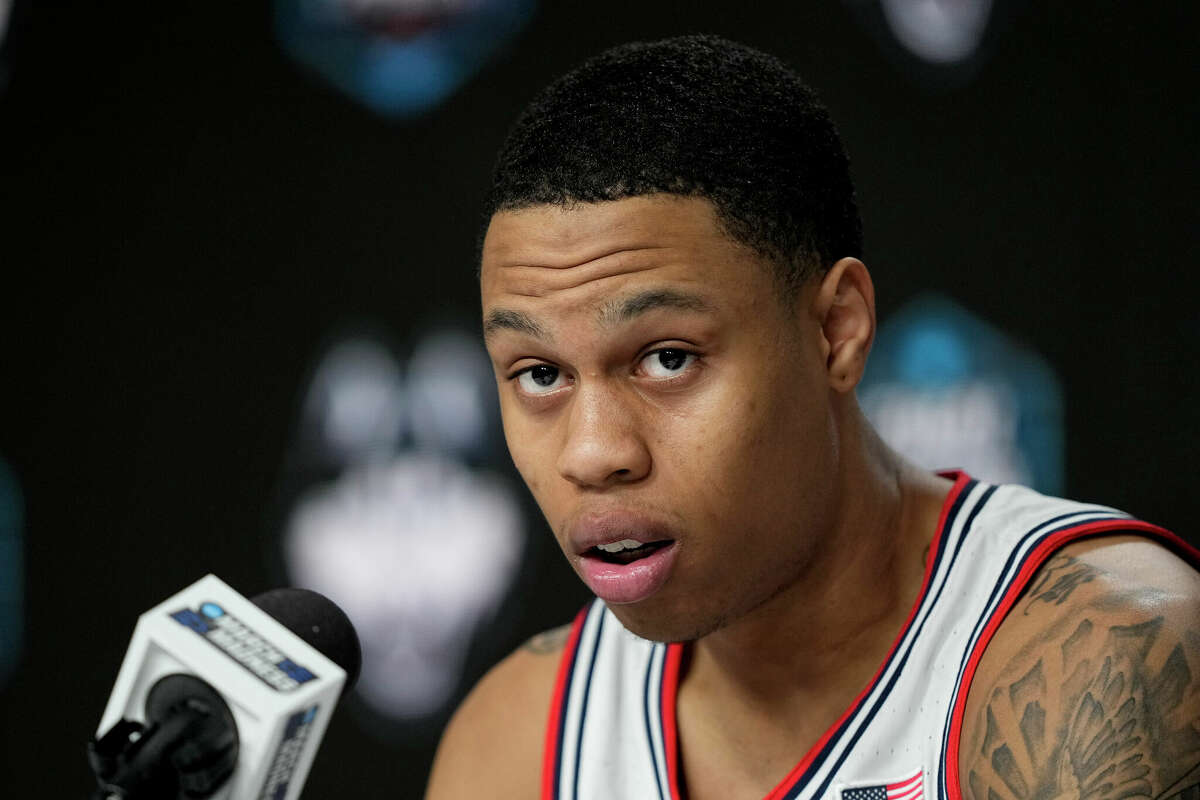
(828, 631)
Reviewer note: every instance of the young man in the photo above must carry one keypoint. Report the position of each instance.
(677, 315)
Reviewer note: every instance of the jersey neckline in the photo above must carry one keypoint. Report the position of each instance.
(799, 774)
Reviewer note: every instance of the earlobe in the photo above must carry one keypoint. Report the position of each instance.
(845, 309)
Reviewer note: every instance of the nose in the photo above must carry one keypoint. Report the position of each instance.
(603, 446)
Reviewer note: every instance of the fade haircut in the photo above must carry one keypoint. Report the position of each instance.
(693, 116)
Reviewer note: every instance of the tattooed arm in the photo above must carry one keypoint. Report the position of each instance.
(1090, 689)
(493, 744)
(548, 643)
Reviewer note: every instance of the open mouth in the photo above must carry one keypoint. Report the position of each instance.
(628, 571)
(626, 551)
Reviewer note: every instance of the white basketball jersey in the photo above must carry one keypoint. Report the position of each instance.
(612, 736)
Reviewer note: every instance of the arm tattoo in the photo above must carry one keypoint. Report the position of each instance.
(547, 642)
(1090, 710)
(1057, 579)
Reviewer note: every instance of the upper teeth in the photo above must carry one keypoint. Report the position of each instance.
(616, 547)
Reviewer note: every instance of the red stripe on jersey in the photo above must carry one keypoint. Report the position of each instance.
(1033, 562)
(670, 688)
(558, 707)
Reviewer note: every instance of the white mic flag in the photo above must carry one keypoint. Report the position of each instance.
(280, 690)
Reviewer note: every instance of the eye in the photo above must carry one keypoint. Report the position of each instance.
(668, 362)
(540, 379)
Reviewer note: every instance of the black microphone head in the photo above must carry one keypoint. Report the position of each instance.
(317, 620)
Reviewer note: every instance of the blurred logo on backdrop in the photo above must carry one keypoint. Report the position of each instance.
(948, 390)
(939, 42)
(398, 57)
(12, 573)
(399, 517)
(939, 31)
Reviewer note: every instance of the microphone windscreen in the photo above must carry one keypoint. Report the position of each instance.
(317, 620)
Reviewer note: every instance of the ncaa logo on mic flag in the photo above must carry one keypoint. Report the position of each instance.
(909, 787)
(245, 646)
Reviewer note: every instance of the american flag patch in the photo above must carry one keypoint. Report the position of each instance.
(909, 788)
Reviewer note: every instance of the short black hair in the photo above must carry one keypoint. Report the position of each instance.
(696, 116)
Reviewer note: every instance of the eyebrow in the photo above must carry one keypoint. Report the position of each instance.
(505, 319)
(613, 312)
(617, 311)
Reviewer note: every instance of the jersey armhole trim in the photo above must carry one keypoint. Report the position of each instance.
(1037, 557)
(552, 752)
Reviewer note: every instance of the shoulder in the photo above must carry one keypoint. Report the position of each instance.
(493, 744)
(1090, 687)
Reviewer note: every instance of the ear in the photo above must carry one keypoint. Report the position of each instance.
(844, 307)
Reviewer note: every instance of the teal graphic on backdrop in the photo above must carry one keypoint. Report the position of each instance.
(946, 389)
(399, 57)
(12, 569)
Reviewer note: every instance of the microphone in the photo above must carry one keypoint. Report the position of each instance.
(222, 697)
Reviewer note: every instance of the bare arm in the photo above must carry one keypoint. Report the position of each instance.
(1090, 689)
(493, 744)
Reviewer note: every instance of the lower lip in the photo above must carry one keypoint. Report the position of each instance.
(628, 583)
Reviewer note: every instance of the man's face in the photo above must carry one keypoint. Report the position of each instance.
(655, 390)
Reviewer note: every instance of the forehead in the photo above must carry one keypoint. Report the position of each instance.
(567, 235)
(590, 252)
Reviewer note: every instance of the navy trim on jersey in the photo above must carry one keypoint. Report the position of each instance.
(903, 648)
(587, 688)
(1083, 516)
(646, 700)
(911, 635)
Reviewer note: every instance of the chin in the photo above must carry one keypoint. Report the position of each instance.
(662, 625)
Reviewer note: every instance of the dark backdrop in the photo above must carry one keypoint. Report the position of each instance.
(188, 215)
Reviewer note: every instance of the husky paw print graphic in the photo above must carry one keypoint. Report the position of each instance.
(397, 516)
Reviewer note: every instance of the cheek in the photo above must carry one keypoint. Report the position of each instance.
(737, 427)
(534, 452)
(758, 455)
(711, 455)
(526, 460)
(522, 446)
